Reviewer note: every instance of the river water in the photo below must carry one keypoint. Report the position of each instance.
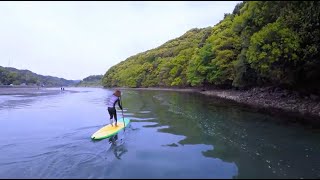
(171, 135)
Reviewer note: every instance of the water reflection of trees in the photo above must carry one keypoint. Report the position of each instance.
(254, 142)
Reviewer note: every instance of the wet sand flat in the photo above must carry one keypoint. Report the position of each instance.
(29, 91)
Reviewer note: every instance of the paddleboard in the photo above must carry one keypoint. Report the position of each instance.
(108, 130)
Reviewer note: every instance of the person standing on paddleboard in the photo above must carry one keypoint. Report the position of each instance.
(113, 99)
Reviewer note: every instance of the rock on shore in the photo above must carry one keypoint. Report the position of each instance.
(306, 107)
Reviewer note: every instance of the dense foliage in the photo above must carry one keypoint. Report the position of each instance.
(14, 76)
(260, 43)
(93, 80)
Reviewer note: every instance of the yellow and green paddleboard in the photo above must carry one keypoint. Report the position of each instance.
(108, 130)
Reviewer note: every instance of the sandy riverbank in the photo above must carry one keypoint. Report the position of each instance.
(30, 91)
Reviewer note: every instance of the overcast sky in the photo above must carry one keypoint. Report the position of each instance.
(73, 40)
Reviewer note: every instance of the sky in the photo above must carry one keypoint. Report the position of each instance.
(76, 39)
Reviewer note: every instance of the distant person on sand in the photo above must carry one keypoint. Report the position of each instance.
(113, 99)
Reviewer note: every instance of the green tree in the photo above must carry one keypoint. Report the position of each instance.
(273, 52)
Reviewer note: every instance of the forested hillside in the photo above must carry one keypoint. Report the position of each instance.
(14, 76)
(261, 43)
(93, 80)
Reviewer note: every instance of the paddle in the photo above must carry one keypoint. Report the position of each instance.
(124, 124)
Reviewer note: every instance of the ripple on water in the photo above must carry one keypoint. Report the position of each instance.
(16, 104)
(144, 112)
(141, 119)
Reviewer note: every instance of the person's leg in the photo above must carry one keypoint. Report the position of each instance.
(115, 116)
(110, 110)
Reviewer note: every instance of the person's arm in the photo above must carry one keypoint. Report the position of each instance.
(119, 104)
